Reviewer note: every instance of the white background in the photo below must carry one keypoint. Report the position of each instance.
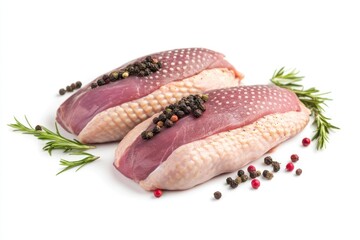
(46, 45)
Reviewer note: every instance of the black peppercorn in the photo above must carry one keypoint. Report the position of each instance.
(68, 88)
(240, 173)
(233, 184)
(73, 86)
(268, 175)
(217, 195)
(147, 135)
(159, 64)
(258, 173)
(94, 85)
(253, 175)
(149, 59)
(104, 77)
(162, 117)
(141, 73)
(62, 91)
(268, 160)
(100, 82)
(244, 178)
(147, 72)
(229, 180)
(276, 166)
(180, 114)
(298, 171)
(38, 128)
(154, 67)
(197, 113)
(78, 84)
(156, 129)
(265, 172)
(155, 120)
(168, 123)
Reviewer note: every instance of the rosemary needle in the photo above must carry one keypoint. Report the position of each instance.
(55, 141)
(311, 98)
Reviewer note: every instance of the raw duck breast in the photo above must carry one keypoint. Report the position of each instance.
(106, 113)
(240, 124)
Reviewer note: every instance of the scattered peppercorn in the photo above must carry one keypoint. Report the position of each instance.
(156, 129)
(251, 168)
(205, 97)
(294, 158)
(255, 183)
(94, 85)
(244, 178)
(197, 113)
(73, 86)
(69, 89)
(233, 184)
(298, 171)
(174, 118)
(115, 75)
(289, 167)
(38, 128)
(158, 193)
(268, 160)
(229, 180)
(62, 91)
(268, 175)
(147, 135)
(276, 166)
(253, 175)
(168, 123)
(125, 74)
(306, 142)
(78, 84)
(162, 117)
(155, 120)
(160, 123)
(238, 180)
(240, 173)
(217, 195)
(258, 173)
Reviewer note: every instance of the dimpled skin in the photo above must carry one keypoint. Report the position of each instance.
(115, 122)
(78, 110)
(199, 161)
(226, 109)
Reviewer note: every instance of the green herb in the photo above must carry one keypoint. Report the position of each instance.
(79, 163)
(55, 139)
(311, 98)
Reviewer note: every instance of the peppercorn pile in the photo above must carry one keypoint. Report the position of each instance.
(254, 174)
(193, 104)
(70, 88)
(143, 68)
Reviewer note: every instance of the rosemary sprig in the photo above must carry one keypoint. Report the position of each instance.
(311, 98)
(79, 163)
(55, 139)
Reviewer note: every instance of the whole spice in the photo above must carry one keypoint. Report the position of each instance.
(240, 173)
(298, 171)
(306, 142)
(294, 158)
(72, 86)
(276, 166)
(160, 123)
(168, 123)
(255, 183)
(156, 129)
(217, 195)
(253, 175)
(229, 180)
(38, 128)
(174, 118)
(62, 91)
(244, 178)
(158, 193)
(233, 184)
(289, 167)
(94, 85)
(197, 113)
(147, 135)
(268, 160)
(251, 168)
(69, 89)
(78, 84)
(238, 180)
(268, 175)
(258, 173)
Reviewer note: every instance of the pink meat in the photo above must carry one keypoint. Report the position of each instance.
(226, 109)
(74, 114)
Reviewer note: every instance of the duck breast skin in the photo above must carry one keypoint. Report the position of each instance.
(240, 124)
(107, 112)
